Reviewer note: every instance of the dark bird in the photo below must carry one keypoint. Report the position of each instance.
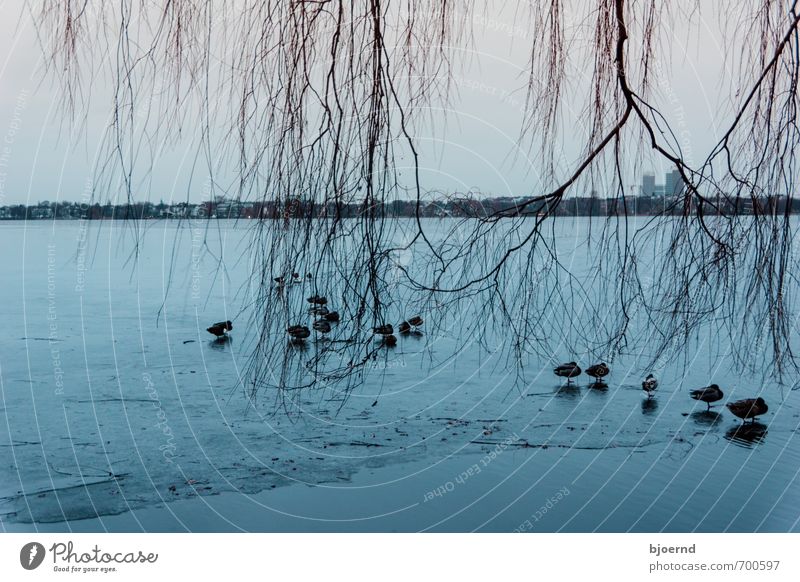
(568, 370)
(322, 326)
(317, 300)
(279, 280)
(319, 310)
(332, 316)
(299, 332)
(220, 328)
(748, 408)
(708, 395)
(649, 385)
(598, 371)
(385, 329)
(404, 327)
(390, 340)
(416, 321)
(295, 275)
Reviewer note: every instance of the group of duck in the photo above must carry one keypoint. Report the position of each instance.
(295, 278)
(407, 327)
(300, 333)
(748, 408)
(744, 409)
(325, 317)
(322, 325)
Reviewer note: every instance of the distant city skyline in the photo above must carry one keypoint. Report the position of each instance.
(673, 184)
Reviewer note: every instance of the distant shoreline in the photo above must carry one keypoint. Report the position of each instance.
(445, 208)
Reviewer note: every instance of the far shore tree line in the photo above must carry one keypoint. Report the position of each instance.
(453, 207)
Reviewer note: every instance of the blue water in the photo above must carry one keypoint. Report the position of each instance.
(119, 413)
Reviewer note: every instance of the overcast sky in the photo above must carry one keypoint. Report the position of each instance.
(44, 156)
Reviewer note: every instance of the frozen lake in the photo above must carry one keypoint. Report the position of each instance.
(119, 413)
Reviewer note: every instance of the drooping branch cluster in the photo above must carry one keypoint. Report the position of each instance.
(314, 104)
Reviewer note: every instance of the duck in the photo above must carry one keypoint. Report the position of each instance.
(416, 321)
(298, 332)
(649, 385)
(319, 310)
(568, 370)
(317, 300)
(748, 408)
(279, 280)
(385, 329)
(708, 394)
(220, 328)
(598, 371)
(332, 316)
(390, 340)
(404, 327)
(322, 326)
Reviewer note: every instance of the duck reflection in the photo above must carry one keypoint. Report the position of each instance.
(747, 435)
(599, 386)
(221, 342)
(706, 417)
(649, 405)
(567, 391)
(297, 345)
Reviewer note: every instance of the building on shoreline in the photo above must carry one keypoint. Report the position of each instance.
(673, 185)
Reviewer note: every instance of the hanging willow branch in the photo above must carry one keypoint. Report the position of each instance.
(313, 106)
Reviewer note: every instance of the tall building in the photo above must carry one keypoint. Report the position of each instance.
(648, 184)
(673, 183)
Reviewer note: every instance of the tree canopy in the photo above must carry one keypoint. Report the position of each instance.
(319, 100)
